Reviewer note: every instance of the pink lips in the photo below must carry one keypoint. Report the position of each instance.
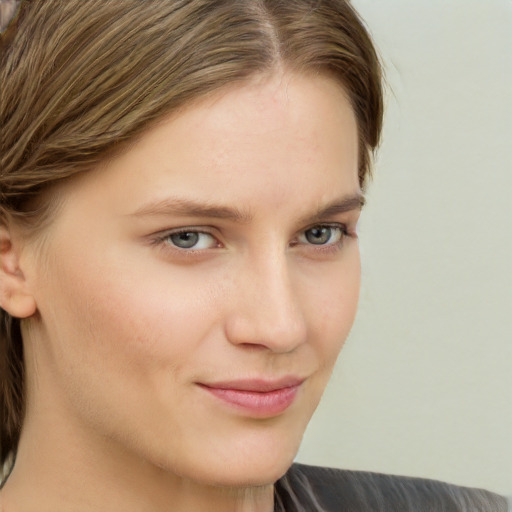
(258, 398)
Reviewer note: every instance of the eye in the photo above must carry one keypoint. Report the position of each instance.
(322, 235)
(189, 239)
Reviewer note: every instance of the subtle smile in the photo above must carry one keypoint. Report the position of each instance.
(258, 398)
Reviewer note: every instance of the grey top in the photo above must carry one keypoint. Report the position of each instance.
(317, 489)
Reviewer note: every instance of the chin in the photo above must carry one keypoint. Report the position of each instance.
(254, 468)
(239, 466)
(257, 474)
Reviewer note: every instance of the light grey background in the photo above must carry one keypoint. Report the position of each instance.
(423, 386)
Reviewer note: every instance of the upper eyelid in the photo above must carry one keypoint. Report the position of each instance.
(210, 230)
(332, 224)
(161, 236)
(186, 229)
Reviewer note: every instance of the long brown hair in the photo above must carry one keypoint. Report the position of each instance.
(82, 78)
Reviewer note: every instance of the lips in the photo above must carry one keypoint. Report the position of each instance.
(257, 397)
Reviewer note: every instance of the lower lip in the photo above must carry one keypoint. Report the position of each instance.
(259, 404)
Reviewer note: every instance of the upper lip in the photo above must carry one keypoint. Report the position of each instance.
(257, 385)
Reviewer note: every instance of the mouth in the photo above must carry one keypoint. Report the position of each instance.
(256, 397)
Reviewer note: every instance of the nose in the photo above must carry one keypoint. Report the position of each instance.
(266, 311)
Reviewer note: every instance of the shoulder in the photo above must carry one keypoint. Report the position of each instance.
(328, 489)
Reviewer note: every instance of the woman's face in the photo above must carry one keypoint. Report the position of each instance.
(194, 292)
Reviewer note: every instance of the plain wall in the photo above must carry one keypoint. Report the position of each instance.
(423, 386)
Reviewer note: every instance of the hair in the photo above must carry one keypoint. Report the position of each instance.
(83, 78)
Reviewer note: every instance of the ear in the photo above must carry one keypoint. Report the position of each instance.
(15, 297)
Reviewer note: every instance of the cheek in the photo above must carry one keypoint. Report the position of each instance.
(121, 344)
(122, 323)
(332, 305)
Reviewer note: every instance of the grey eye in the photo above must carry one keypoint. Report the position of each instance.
(196, 240)
(319, 235)
(185, 240)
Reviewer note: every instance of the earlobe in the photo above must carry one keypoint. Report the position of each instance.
(15, 297)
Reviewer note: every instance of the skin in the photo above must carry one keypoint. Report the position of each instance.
(122, 326)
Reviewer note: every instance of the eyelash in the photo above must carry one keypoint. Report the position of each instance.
(328, 248)
(165, 239)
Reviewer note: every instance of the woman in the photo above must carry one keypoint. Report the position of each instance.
(180, 187)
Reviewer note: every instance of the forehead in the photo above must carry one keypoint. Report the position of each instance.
(257, 143)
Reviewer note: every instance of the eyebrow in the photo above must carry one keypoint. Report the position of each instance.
(182, 207)
(343, 205)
